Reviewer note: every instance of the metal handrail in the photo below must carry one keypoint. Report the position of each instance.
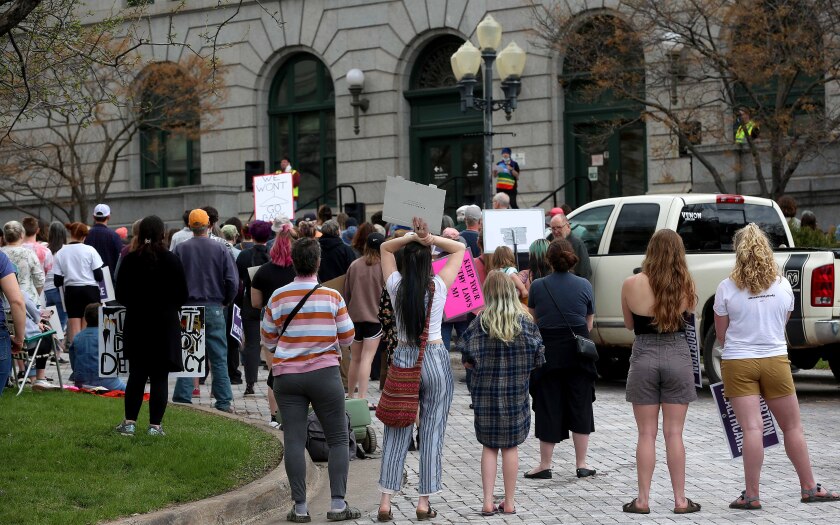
(553, 194)
(450, 179)
(317, 200)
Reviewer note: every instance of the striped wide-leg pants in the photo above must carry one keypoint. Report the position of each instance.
(436, 389)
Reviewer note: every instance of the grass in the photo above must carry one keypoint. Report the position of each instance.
(62, 462)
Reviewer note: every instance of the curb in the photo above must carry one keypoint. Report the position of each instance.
(268, 493)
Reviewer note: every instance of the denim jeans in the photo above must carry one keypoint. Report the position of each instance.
(215, 347)
(5, 356)
(53, 298)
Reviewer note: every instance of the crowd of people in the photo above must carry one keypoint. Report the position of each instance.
(323, 298)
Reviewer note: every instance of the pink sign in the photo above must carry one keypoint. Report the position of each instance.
(465, 293)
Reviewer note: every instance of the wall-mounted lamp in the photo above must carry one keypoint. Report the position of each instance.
(355, 83)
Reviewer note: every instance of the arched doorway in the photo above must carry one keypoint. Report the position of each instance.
(605, 137)
(301, 112)
(446, 145)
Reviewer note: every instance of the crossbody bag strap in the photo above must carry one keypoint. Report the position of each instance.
(558, 309)
(296, 309)
(425, 337)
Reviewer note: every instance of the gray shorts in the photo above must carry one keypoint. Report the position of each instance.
(660, 370)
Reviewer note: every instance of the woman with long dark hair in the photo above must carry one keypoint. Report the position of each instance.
(411, 287)
(563, 389)
(152, 287)
(655, 303)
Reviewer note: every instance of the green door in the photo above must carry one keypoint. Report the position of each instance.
(614, 158)
(454, 164)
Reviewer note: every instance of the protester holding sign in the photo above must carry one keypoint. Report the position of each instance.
(502, 346)
(152, 286)
(656, 304)
(77, 268)
(752, 307)
(362, 289)
(410, 287)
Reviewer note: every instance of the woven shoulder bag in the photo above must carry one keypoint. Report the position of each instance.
(400, 397)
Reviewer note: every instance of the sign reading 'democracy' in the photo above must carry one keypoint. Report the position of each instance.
(693, 348)
(273, 196)
(731, 428)
(465, 293)
(508, 227)
(405, 200)
(112, 360)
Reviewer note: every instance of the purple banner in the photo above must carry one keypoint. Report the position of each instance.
(731, 428)
(694, 348)
(236, 326)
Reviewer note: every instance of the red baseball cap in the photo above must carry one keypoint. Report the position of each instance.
(555, 211)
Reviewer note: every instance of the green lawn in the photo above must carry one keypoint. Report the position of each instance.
(61, 462)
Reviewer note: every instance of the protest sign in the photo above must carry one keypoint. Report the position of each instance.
(465, 293)
(512, 227)
(106, 286)
(273, 196)
(405, 200)
(112, 360)
(693, 348)
(55, 322)
(732, 430)
(336, 284)
(192, 342)
(236, 324)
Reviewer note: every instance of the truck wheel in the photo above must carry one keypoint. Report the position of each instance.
(834, 363)
(369, 442)
(613, 364)
(805, 359)
(712, 351)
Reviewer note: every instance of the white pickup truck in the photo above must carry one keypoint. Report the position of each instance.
(616, 233)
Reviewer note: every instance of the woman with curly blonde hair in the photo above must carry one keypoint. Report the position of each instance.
(752, 307)
(502, 346)
(655, 304)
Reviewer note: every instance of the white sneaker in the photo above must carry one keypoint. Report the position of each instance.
(43, 384)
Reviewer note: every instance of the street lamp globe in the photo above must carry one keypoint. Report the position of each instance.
(468, 58)
(355, 78)
(510, 62)
(489, 34)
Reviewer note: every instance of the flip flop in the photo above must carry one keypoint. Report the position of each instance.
(632, 508)
(688, 509)
(503, 511)
(487, 513)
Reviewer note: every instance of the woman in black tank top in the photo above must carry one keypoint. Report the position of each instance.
(655, 305)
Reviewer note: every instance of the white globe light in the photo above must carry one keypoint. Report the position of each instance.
(355, 78)
(489, 34)
(511, 61)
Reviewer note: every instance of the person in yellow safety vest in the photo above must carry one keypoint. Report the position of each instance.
(747, 127)
(286, 167)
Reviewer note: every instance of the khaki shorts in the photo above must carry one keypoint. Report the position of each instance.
(768, 376)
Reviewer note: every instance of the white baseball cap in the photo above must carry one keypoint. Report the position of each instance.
(102, 210)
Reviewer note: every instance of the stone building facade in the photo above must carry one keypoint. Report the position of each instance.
(288, 96)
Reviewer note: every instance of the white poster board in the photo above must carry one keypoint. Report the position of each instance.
(273, 196)
(405, 200)
(55, 322)
(503, 227)
(106, 286)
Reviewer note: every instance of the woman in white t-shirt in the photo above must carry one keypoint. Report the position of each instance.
(752, 307)
(77, 268)
(409, 288)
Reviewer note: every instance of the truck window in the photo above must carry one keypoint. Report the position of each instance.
(589, 226)
(710, 227)
(634, 227)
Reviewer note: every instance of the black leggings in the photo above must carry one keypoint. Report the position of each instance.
(138, 373)
(43, 353)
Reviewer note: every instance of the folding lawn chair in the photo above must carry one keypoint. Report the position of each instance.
(37, 340)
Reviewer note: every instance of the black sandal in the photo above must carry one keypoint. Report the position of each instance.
(745, 502)
(424, 515)
(384, 516)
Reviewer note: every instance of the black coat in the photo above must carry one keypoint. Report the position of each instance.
(336, 258)
(152, 291)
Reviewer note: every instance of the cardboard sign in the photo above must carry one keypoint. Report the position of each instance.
(694, 348)
(405, 200)
(508, 227)
(112, 360)
(732, 430)
(236, 325)
(55, 322)
(273, 196)
(336, 284)
(465, 294)
(106, 286)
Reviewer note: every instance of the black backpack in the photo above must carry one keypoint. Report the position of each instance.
(316, 441)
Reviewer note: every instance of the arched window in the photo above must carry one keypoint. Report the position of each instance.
(170, 146)
(301, 113)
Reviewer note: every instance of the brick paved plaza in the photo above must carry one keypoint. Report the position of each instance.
(713, 480)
